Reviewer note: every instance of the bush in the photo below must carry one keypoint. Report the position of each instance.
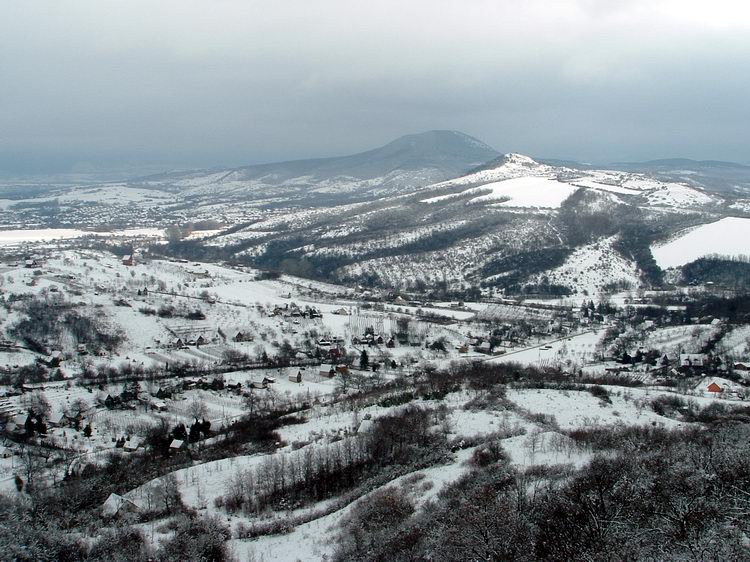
(197, 538)
(600, 392)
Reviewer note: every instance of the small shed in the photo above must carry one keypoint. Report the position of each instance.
(296, 378)
(128, 260)
(365, 426)
(177, 445)
(132, 445)
(159, 405)
(714, 388)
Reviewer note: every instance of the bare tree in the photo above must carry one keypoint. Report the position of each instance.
(197, 408)
(32, 466)
(167, 493)
(37, 402)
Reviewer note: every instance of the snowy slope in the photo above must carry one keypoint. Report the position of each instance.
(593, 266)
(530, 191)
(726, 237)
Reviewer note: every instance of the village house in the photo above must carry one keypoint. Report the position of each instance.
(128, 260)
(158, 405)
(165, 392)
(57, 419)
(243, 337)
(714, 388)
(54, 359)
(116, 505)
(692, 359)
(483, 347)
(330, 373)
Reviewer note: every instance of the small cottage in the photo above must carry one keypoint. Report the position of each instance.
(714, 388)
(116, 505)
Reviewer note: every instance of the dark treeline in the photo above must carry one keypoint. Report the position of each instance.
(730, 273)
(519, 266)
(734, 310)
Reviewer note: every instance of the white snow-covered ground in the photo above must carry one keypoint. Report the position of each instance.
(527, 192)
(726, 237)
(591, 267)
(575, 408)
(15, 237)
(677, 195)
(566, 352)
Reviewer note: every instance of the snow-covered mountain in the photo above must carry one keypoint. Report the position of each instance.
(404, 164)
(513, 223)
(434, 209)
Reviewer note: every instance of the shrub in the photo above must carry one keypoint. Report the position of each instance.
(600, 392)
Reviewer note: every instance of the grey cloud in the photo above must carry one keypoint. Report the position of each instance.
(192, 84)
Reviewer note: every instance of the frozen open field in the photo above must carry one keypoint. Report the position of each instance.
(725, 237)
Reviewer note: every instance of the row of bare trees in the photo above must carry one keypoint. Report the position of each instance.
(317, 472)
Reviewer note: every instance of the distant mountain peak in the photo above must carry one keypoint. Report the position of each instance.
(407, 163)
(511, 159)
(517, 158)
(446, 142)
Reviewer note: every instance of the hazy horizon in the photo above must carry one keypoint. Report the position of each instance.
(115, 86)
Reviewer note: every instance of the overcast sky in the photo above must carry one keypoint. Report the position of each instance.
(189, 83)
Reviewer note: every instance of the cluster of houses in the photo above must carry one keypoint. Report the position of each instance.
(293, 311)
(187, 341)
(130, 396)
(21, 426)
(371, 340)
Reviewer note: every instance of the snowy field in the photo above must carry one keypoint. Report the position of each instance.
(17, 237)
(567, 352)
(527, 192)
(726, 237)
